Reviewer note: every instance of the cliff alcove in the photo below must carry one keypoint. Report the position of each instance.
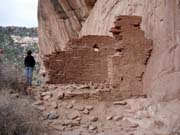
(161, 73)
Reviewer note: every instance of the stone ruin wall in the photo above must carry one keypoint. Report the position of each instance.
(118, 62)
(79, 62)
(127, 65)
(61, 20)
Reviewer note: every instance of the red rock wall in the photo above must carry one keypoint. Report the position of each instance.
(119, 62)
(60, 21)
(160, 21)
(127, 66)
(80, 62)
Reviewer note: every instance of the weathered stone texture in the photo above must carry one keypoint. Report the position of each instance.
(160, 22)
(103, 15)
(119, 63)
(80, 62)
(59, 21)
(127, 65)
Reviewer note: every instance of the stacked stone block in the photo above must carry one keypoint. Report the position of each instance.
(127, 65)
(83, 60)
(119, 61)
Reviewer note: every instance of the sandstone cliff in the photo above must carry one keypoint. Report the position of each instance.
(62, 20)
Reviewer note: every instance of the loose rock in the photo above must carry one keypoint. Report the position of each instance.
(117, 118)
(61, 95)
(89, 108)
(92, 127)
(74, 115)
(46, 93)
(71, 123)
(53, 115)
(120, 103)
(78, 119)
(38, 102)
(40, 108)
(109, 117)
(15, 95)
(134, 126)
(94, 119)
(86, 111)
(60, 128)
(70, 106)
(54, 105)
(47, 97)
(79, 108)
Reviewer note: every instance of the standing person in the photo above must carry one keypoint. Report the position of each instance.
(1, 53)
(29, 63)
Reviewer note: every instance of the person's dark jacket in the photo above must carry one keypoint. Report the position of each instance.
(29, 61)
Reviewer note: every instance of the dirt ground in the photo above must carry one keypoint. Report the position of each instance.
(77, 110)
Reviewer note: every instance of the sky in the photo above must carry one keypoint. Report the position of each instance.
(18, 13)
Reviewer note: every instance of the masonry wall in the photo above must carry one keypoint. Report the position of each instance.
(127, 66)
(119, 61)
(83, 60)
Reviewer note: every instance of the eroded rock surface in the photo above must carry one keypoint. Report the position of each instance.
(79, 61)
(60, 21)
(136, 117)
(126, 67)
(119, 62)
(160, 20)
(162, 24)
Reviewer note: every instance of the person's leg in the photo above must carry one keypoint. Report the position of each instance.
(30, 75)
(27, 75)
